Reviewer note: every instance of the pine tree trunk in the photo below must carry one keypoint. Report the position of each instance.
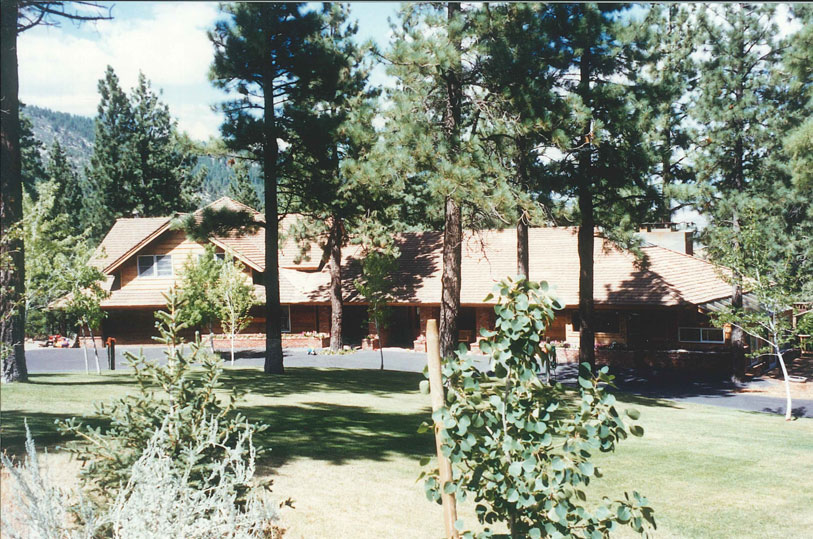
(738, 339)
(452, 229)
(587, 352)
(523, 256)
(450, 295)
(12, 272)
(523, 252)
(335, 268)
(95, 350)
(666, 165)
(587, 336)
(273, 325)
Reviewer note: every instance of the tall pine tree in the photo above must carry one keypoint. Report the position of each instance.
(433, 134)
(741, 118)
(139, 164)
(672, 76)
(263, 54)
(605, 170)
(331, 130)
(522, 61)
(17, 16)
(241, 188)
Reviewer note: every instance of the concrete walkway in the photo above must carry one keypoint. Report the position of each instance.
(720, 393)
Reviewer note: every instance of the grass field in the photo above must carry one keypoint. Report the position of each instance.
(344, 446)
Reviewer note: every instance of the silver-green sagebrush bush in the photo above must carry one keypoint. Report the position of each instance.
(172, 392)
(517, 445)
(160, 499)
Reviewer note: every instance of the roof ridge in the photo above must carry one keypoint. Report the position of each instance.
(225, 199)
(681, 254)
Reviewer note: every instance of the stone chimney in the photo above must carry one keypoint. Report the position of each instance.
(675, 236)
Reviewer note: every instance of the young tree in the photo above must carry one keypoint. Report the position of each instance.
(766, 263)
(740, 116)
(190, 403)
(51, 252)
(514, 446)
(139, 163)
(17, 16)
(262, 53)
(234, 296)
(375, 285)
(85, 294)
(197, 292)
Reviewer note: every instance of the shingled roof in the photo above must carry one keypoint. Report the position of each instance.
(125, 238)
(667, 278)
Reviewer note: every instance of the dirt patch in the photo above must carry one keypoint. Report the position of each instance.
(774, 382)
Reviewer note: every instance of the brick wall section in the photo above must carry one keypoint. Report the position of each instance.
(485, 319)
(87, 341)
(324, 318)
(689, 363)
(289, 340)
(426, 313)
(303, 318)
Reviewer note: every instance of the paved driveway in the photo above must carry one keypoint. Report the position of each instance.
(722, 393)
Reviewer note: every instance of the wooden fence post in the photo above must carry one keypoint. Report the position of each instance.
(438, 401)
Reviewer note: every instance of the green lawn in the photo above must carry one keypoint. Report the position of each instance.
(344, 446)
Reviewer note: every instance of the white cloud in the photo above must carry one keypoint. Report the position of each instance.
(60, 66)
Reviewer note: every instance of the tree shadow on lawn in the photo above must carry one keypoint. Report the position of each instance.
(338, 433)
(42, 426)
(307, 379)
(632, 399)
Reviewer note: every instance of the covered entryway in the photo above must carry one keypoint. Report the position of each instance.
(403, 327)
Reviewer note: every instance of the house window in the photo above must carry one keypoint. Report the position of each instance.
(701, 335)
(258, 277)
(603, 322)
(285, 318)
(155, 266)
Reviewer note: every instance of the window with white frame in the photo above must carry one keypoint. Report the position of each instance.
(285, 318)
(701, 335)
(155, 266)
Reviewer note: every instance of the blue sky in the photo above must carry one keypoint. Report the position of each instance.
(60, 66)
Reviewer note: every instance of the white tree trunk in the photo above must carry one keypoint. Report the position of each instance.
(85, 349)
(232, 349)
(95, 350)
(788, 404)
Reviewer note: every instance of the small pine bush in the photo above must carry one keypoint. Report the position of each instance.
(169, 396)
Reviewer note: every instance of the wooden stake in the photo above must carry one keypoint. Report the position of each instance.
(438, 401)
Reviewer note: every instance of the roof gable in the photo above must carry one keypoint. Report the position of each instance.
(127, 237)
